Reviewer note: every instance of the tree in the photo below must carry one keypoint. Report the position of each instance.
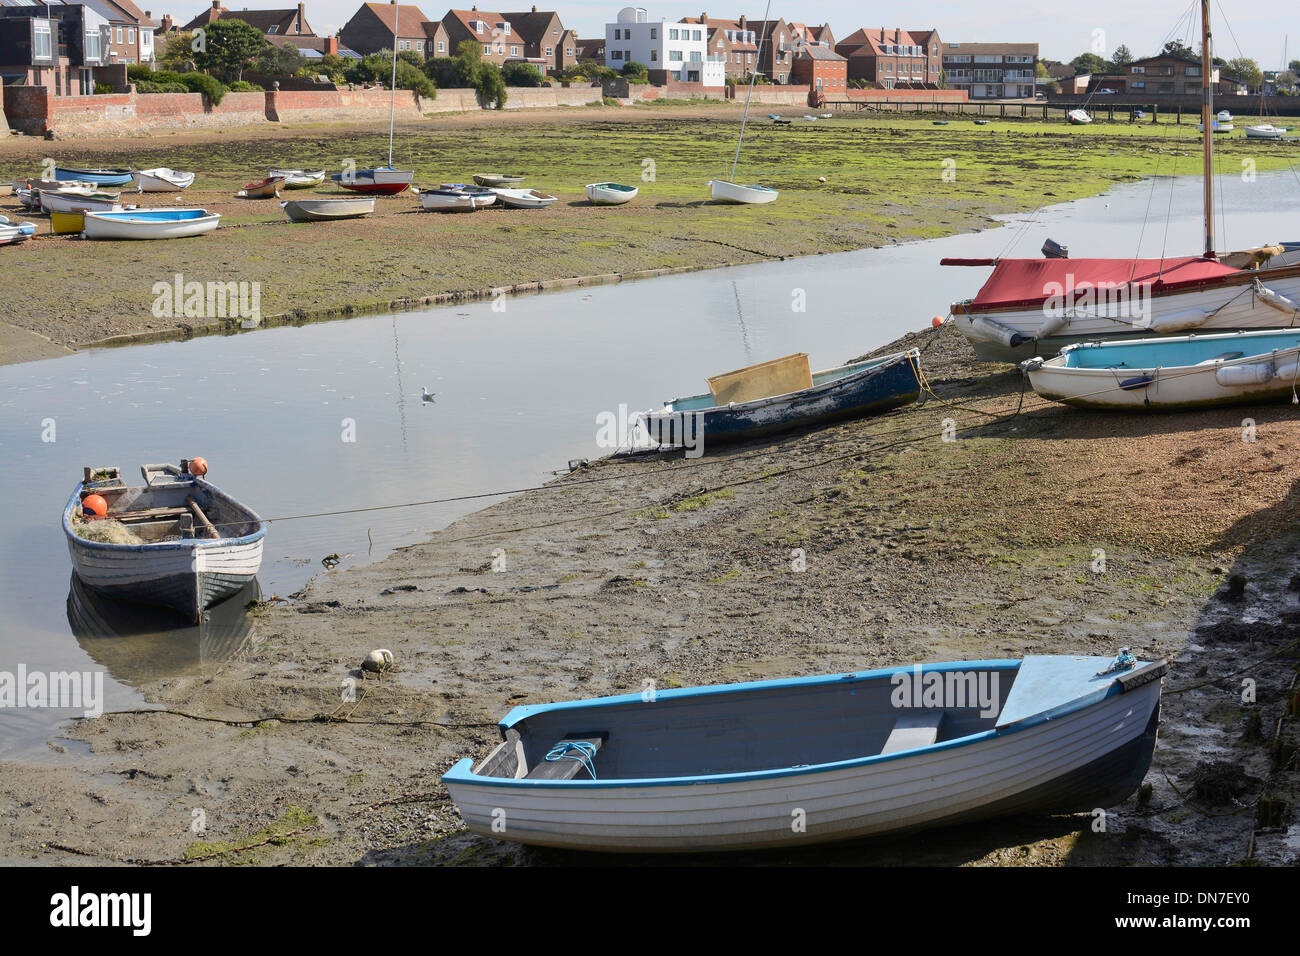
(1294, 67)
(521, 74)
(1122, 56)
(1244, 69)
(1089, 63)
(377, 68)
(1179, 48)
(177, 53)
(226, 47)
(281, 61)
(635, 71)
(473, 71)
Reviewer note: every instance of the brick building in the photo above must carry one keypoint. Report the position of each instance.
(991, 70)
(894, 58)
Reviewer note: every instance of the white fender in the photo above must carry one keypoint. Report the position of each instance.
(1275, 299)
(1179, 321)
(990, 330)
(1255, 373)
(1288, 372)
(1053, 325)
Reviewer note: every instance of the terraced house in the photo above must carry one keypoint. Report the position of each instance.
(547, 44)
(377, 26)
(498, 36)
(895, 59)
(733, 41)
(61, 45)
(991, 70)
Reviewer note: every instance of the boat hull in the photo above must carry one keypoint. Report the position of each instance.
(380, 182)
(146, 226)
(101, 177)
(602, 194)
(434, 201)
(881, 385)
(524, 198)
(326, 210)
(723, 191)
(71, 202)
(162, 180)
(1089, 757)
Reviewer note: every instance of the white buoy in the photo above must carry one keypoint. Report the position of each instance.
(378, 661)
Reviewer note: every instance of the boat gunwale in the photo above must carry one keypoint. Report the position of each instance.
(462, 770)
(152, 547)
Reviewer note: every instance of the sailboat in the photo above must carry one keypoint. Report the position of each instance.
(1034, 307)
(1262, 130)
(728, 190)
(381, 180)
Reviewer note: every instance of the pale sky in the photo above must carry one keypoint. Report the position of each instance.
(1062, 30)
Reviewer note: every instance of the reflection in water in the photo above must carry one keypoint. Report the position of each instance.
(139, 643)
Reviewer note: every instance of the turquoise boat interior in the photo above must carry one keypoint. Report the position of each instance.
(1179, 352)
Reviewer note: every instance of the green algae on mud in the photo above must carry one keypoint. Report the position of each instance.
(889, 179)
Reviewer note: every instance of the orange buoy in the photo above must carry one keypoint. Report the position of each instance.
(198, 467)
(94, 506)
(937, 321)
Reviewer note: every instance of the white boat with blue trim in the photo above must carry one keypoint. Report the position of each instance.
(788, 763)
(180, 542)
(150, 224)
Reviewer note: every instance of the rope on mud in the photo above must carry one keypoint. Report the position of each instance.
(286, 719)
(1237, 673)
(136, 861)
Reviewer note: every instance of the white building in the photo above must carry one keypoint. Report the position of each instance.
(680, 49)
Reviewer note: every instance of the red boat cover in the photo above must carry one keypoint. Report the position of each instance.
(1030, 281)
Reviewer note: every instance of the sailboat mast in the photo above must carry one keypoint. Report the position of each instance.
(1207, 126)
(392, 98)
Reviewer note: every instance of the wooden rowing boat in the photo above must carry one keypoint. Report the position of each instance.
(850, 391)
(79, 201)
(268, 188)
(447, 200)
(150, 223)
(787, 763)
(100, 176)
(1172, 373)
(497, 179)
(192, 544)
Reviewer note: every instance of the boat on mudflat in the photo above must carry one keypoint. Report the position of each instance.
(12, 233)
(610, 194)
(97, 175)
(267, 188)
(789, 763)
(850, 391)
(325, 210)
(80, 201)
(1172, 373)
(150, 224)
(177, 540)
(162, 180)
(724, 191)
(383, 180)
(498, 179)
(448, 200)
(298, 178)
(524, 198)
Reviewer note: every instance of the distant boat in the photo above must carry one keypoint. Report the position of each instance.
(1078, 117)
(325, 210)
(161, 180)
(79, 201)
(1172, 373)
(1265, 131)
(524, 198)
(382, 181)
(446, 200)
(298, 178)
(497, 179)
(268, 188)
(723, 191)
(482, 195)
(863, 754)
(610, 194)
(1216, 127)
(150, 224)
(99, 176)
(850, 391)
(194, 544)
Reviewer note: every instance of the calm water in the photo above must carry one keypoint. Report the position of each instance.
(518, 393)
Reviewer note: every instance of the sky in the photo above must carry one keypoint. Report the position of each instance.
(1062, 30)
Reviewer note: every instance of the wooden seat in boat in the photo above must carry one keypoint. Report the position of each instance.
(913, 729)
(565, 767)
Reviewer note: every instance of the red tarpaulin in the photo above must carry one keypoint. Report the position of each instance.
(1030, 281)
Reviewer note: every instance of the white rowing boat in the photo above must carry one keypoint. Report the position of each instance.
(298, 178)
(150, 224)
(723, 191)
(161, 180)
(325, 210)
(610, 194)
(52, 202)
(523, 198)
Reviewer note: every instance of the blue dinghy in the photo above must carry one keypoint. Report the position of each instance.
(785, 763)
(849, 391)
(104, 177)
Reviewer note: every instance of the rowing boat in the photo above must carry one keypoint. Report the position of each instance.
(723, 191)
(788, 763)
(497, 179)
(150, 224)
(12, 233)
(524, 198)
(180, 542)
(850, 391)
(610, 194)
(98, 175)
(299, 178)
(325, 210)
(268, 188)
(80, 201)
(447, 200)
(1172, 373)
(161, 180)
(382, 181)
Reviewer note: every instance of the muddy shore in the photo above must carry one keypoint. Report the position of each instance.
(680, 572)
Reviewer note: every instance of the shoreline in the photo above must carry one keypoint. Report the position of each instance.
(668, 571)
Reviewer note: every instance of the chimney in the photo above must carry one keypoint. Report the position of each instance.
(332, 45)
(898, 35)
(216, 4)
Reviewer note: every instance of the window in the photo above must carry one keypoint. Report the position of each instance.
(442, 46)
(92, 45)
(616, 54)
(654, 56)
(618, 34)
(697, 35)
(121, 37)
(672, 34)
(550, 51)
(419, 46)
(514, 51)
(480, 27)
(654, 33)
(41, 40)
(675, 55)
(274, 28)
(568, 51)
(1137, 69)
(130, 34)
(487, 49)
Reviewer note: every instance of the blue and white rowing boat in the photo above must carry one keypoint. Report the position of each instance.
(100, 176)
(1172, 373)
(850, 391)
(150, 224)
(191, 543)
(787, 763)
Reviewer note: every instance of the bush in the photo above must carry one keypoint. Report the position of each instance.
(280, 61)
(103, 87)
(378, 68)
(442, 70)
(139, 73)
(144, 86)
(471, 71)
(521, 74)
(243, 86)
(635, 71)
(209, 86)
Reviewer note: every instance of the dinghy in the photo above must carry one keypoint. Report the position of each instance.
(789, 763)
(98, 176)
(299, 178)
(176, 541)
(850, 391)
(610, 194)
(482, 195)
(324, 210)
(161, 180)
(1078, 117)
(1216, 128)
(53, 202)
(268, 188)
(1173, 372)
(68, 223)
(150, 224)
(382, 181)
(447, 200)
(723, 191)
(1265, 131)
(12, 233)
(523, 198)
(497, 179)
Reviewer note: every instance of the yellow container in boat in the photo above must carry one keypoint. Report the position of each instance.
(776, 377)
(68, 222)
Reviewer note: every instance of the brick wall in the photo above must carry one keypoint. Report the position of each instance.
(906, 96)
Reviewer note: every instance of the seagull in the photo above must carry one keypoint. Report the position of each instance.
(426, 395)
